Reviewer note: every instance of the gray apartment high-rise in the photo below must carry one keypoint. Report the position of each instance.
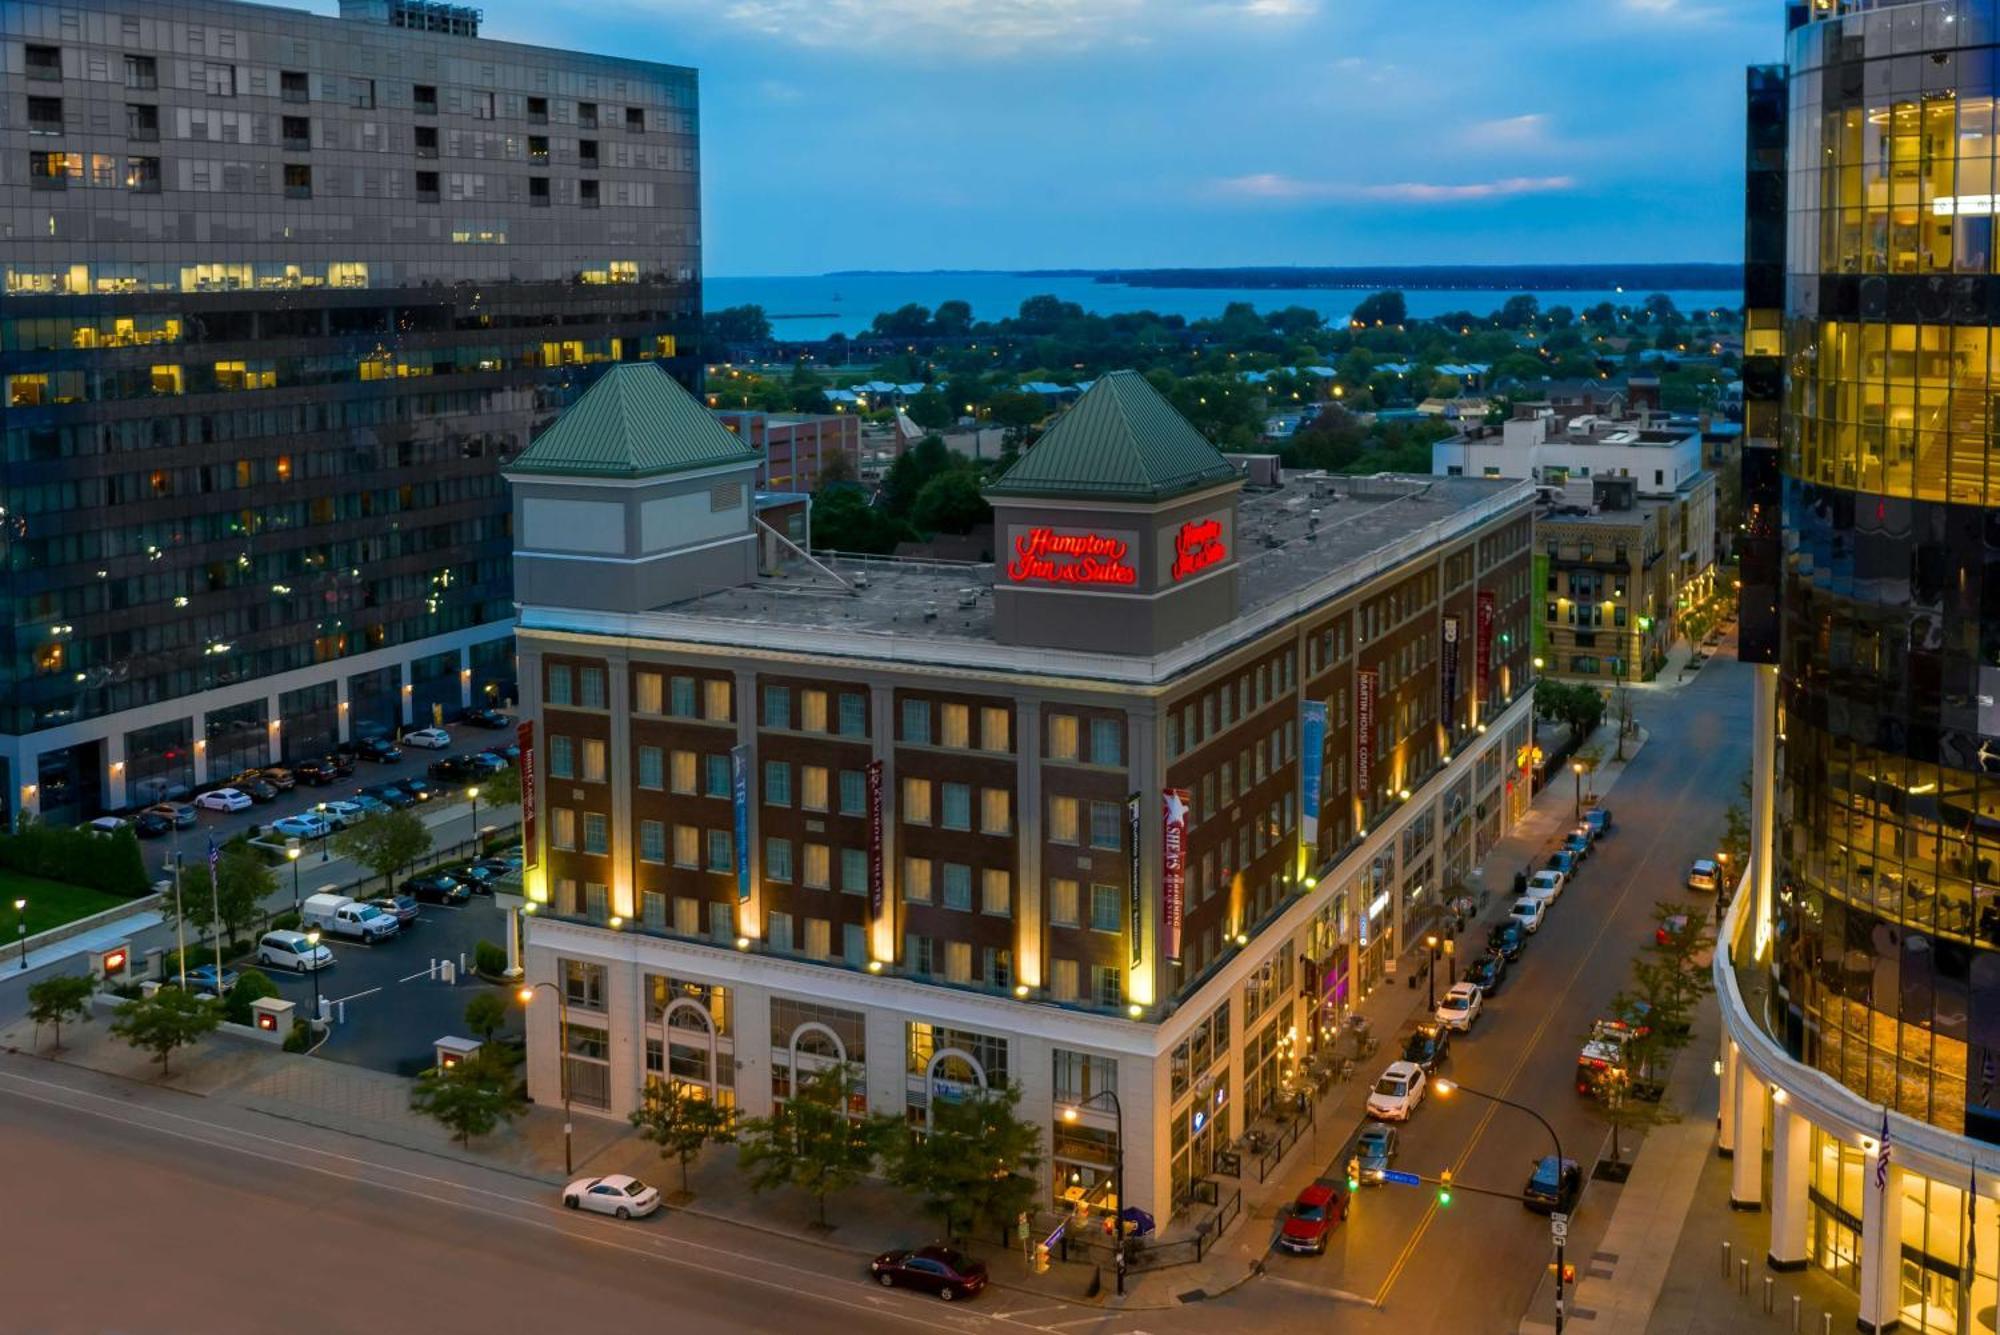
(283, 293)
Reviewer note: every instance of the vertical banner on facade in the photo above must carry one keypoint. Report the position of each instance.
(739, 795)
(1312, 766)
(1364, 735)
(1136, 924)
(1482, 648)
(1173, 871)
(524, 737)
(1448, 669)
(877, 897)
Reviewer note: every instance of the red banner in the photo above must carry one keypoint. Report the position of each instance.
(1482, 644)
(1364, 734)
(524, 737)
(876, 896)
(1173, 870)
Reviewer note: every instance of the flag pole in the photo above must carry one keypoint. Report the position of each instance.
(215, 909)
(180, 922)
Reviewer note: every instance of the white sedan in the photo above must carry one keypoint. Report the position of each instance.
(340, 815)
(625, 1197)
(225, 799)
(1460, 1007)
(434, 739)
(1703, 875)
(1546, 885)
(1529, 913)
(306, 825)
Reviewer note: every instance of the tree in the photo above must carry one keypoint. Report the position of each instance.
(502, 788)
(54, 1000)
(1574, 704)
(914, 467)
(844, 521)
(930, 411)
(385, 844)
(951, 503)
(170, 1019)
(681, 1122)
(1621, 709)
(1735, 844)
(470, 1098)
(952, 318)
(242, 882)
(907, 321)
(251, 985)
(974, 1168)
(812, 1141)
(1017, 412)
(1385, 308)
(1519, 311)
(486, 1015)
(1669, 979)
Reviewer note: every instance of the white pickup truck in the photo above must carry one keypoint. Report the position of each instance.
(341, 915)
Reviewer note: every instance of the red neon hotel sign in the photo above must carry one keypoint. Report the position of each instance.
(1050, 557)
(1198, 546)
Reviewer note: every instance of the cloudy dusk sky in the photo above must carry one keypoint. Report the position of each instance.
(913, 134)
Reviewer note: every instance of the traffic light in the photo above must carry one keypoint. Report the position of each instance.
(1444, 1187)
(1353, 1174)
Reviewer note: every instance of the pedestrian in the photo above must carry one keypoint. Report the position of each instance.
(1520, 883)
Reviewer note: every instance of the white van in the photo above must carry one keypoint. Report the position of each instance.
(292, 950)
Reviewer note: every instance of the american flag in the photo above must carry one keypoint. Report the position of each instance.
(214, 855)
(1882, 1155)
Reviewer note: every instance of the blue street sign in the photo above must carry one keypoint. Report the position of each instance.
(1401, 1178)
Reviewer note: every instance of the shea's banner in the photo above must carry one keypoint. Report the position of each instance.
(1173, 870)
(875, 890)
(739, 793)
(1482, 648)
(1312, 764)
(1136, 919)
(1448, 666)
(524, 737)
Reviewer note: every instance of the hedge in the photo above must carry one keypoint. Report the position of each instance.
(111, 863)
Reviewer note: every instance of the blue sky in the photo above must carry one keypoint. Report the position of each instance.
(913, 134)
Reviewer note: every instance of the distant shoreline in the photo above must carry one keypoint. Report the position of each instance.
(1638, 278)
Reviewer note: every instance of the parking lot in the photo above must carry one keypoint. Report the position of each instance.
(394, 1011)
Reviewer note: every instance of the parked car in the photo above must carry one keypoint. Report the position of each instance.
(509, 753)
(370, 804)
(619, 1195)
(437, 888)
(318, 773)
(455, 769)
(1398, 1092)
(423, 790)
(149, 824)
(1577, 842)
(1429, 1048)
(201, 980)
(498, 865)
(1375, 1151)
(259, 789)
(474, 877)
(486, 762)
(106, 825)
(1704, 875)
(292, 950)
(377, 750)
(180, 813)
(1529, 913)
(389, 795)
(343, 916)
(224, 799)
(486, 718)
(1509, 938)
(1486, 972)
(402, 904)
(1312, 1219)
(279, 778)
(1552, 1186)
(340, 815)
(948, 1273)
(1670, 927)
(1599, 820)
(431, 739)
(1564, 861)
(1604, 1057)
(1546, 885)
(305, 825)
(1458, 1008)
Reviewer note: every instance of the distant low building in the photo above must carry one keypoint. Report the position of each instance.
(1542, 445)
(795, 448)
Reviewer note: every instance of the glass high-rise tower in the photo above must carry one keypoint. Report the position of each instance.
(282, 295)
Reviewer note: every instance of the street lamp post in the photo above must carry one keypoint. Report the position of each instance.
(21, 928)
(1445, 1087)
(1576, 768)
(312, 947)
(473, 794)
(325, 833)
(1069, 1114)
(293, 854)
(527, 995)
(1431, 974)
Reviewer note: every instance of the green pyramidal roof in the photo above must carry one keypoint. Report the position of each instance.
(1120, 441)
(636, 421)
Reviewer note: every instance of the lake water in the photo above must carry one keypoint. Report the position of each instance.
(812, 306)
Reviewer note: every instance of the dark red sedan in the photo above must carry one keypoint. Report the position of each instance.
(940, 1270)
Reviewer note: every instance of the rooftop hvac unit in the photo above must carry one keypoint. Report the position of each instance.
(968, 597)
(930, 611)
(860, 579)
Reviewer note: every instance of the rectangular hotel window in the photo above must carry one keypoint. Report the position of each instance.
(1107, 985)
(819, 938)
(956, 809)
(590, 688)
(593, 760)
(715, 700)
(1107, 825)
(917, 801)
(1062, 980)
(812, 711)
(812, 787)
(653, 910)
(1062, 901)
(917, 880)
(647, 693)
(683, 772)
(652, 841)
(777, 859)
(917, 722)
(1104, 902)
(853, 793)
(996, 892)
(651, 769)
(718, 776)
(853, 714)
(853, 944)
(682, 698)
(958, 961)
(559, 685)
(853, 871)
(1062, 737)
(777, 783)
(997, 966)
(955, 727)
(1062, 820)
(996, 811)
(562, 758)
(1107, 742)
(563, 835)
(777, 707)
(818, 867)
(958, 886)
(596, 832)
(721, 851)
(995, 730)
(778, 931)
(583, 984)
(919, 954)
(687, 847)
(687, 916)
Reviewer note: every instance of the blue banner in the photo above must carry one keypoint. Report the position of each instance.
(1312, 768)
(739, 792)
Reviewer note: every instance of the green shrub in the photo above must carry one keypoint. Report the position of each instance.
(300, 1038)
(288, 921)
(489, 959)
(251, 985)
(111, 863)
